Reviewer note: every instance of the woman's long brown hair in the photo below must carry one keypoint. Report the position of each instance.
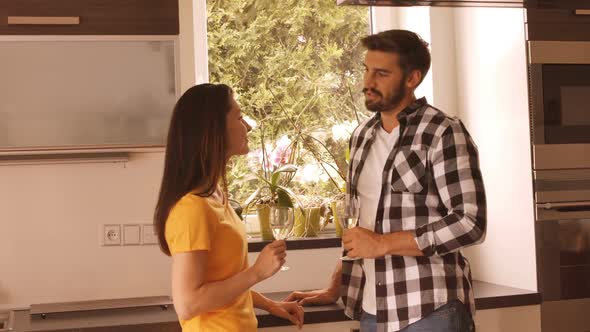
(195, 150)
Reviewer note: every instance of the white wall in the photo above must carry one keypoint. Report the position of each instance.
(201, 49)
(444, 62)
(493, 103)
(51, 217)
(309, 269)
(188, 43)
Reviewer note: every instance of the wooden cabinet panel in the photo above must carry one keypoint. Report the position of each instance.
(558, 24)
(556, 4)
(96, 17)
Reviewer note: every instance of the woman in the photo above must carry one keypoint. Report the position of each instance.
(211, 278)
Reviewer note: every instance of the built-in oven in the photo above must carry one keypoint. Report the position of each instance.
(560, 100)
(559, 81)
(563, 248)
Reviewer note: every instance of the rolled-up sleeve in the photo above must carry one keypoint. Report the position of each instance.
(457, 176)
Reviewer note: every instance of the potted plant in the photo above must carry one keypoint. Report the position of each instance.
(277, 173)
(322, 176)
(311, 217)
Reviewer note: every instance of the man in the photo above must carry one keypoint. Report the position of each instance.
(416, 173)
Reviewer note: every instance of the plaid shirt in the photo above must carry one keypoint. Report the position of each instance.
(432, 186)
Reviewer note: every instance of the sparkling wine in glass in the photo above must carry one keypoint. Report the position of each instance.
(348, 213)
(281, 224)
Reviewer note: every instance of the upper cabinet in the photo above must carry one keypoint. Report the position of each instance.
(558, 24)
(89, 17)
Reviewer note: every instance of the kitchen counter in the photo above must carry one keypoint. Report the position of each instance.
(323, 240)
(141, 314)
(487, 296)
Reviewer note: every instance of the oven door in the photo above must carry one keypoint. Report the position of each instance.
(563, 248)
(563, 262)
(564, 251)
(560, 95)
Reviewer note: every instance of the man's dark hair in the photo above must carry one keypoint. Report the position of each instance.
(412, 50)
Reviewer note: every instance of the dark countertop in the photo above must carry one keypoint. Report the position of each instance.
(323, 240)
(159, 310)
(487, 296)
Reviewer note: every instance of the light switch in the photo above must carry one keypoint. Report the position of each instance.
(148, 234)
(131, 235)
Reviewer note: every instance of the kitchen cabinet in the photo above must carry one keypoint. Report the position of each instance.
(93, 93)
(89, 17)
(558, 24)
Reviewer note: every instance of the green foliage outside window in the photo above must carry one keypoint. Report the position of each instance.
(296, 67)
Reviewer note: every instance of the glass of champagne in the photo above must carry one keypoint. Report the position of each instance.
(281, 223)
(348, 213)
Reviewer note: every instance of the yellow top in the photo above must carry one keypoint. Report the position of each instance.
(198, 223)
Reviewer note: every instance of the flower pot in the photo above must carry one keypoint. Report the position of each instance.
(337, 224)
(263, 212)
(307, 224)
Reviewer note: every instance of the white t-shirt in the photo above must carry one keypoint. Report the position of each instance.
(369, 190)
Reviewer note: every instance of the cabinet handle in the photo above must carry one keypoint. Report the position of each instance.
(579, 205)
(582, 12)
(43, 20)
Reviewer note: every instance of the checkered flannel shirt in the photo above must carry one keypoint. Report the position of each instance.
(432, 186)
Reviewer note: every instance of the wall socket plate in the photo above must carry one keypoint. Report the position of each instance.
(131, 234)
(148, 234)
(111, 235)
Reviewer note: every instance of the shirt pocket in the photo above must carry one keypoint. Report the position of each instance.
(409, 171)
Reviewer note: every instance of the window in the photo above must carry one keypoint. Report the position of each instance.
(296, 68)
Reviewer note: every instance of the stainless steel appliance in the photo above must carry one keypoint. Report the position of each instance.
(559, 70)
(563, 248)
(560, 101)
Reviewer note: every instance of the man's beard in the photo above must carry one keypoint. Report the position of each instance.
(391, 103)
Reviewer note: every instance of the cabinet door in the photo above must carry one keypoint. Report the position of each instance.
(557, 4)
(89, 17)
(558, 24)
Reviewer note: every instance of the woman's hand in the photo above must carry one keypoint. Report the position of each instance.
(270, 260)
(291, 311)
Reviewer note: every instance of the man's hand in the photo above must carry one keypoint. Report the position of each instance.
(316, 297)
(361, 242)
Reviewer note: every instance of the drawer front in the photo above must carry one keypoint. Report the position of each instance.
(89, 17)
(558, 24)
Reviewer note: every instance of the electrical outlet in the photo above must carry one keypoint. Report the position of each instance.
(111, 235)
(148, 234)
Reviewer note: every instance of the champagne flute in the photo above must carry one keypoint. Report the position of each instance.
(348, 213)
(281, 224)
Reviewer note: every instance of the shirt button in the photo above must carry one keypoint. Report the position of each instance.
(379, 283)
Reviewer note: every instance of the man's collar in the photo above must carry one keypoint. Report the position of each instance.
(406, 112)
(410, 109)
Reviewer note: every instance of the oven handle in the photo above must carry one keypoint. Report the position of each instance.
(556, 206)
